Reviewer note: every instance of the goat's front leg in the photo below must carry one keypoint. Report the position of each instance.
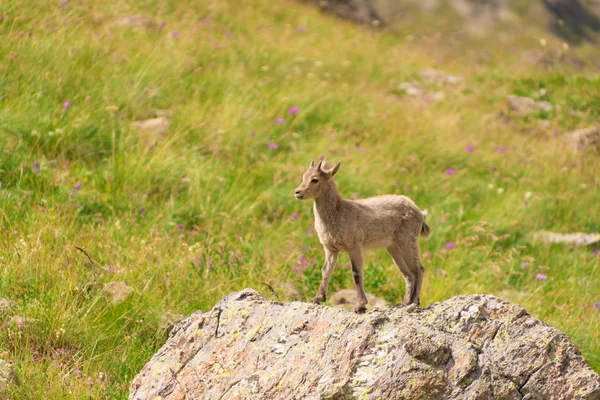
(356, 258)
(331, 257)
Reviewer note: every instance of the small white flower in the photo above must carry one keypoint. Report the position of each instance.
(543, 42)
(491, 186)
(528, 195)
(500, 190)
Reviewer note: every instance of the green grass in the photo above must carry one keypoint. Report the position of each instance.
(206, 209)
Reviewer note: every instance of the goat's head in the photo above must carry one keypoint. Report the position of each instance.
(314, 180)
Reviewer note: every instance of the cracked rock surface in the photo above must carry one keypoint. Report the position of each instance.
(467, 347)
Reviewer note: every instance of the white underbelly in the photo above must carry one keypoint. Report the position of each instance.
(378, 244)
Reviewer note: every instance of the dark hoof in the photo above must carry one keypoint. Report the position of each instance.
(317, 300)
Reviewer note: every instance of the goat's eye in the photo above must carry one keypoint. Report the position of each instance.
(314, 180)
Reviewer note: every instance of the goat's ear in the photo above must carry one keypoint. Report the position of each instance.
(334, 170)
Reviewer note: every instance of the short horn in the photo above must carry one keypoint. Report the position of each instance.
(312, 164)
(319, 165)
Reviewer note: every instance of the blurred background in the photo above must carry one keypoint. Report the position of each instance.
(149, 150)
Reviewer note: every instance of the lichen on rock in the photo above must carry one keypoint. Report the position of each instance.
(467, 347)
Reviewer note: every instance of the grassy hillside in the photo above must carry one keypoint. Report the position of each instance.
(207, 207)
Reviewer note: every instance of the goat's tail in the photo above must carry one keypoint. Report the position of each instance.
(425, 230)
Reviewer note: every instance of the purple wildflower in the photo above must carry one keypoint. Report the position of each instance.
(252, 134)
(469, 149)
(541, 277)
(279, 120)
(596, 252)
(232, 259)
(310, 231)
(313, 261)
(428, 99)
(597, 305)
(78, 373)
(273, 145)
(301, 266)
(76, 189)
(450, 171)
(175, 34)
(63, 4)
(501, 149)
(294, 110)
(179, 227)
(294, 216)
(361, 149)
(4, 325)
(450, 245)
(67, 105)
(61, 351)
(143, 211)
(36, 166)
(20, 324)
(524, 264)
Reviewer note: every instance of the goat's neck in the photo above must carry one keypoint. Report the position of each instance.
(327, 203)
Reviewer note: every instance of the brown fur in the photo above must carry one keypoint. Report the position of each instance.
(390, 221)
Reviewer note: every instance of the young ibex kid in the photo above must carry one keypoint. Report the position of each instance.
(390, 221)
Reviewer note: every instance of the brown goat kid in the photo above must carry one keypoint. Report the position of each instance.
(390, 221)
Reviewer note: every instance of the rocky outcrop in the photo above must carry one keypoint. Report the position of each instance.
(7, 375)
(573, 20)
(468, 347)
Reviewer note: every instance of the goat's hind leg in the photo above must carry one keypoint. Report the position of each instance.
(410, 278)
(330, 262)
(411, 254)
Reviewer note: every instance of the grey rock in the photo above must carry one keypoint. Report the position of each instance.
(7, 375)
(439, 77)
(5, 306)
(151, 130)
(411, 88)
(117, 291)
(346, 299)
(526, 105)
(23, 321)
(576, 239)
(290, 292)
(135, 21)
(468, 347)
(584, 138)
